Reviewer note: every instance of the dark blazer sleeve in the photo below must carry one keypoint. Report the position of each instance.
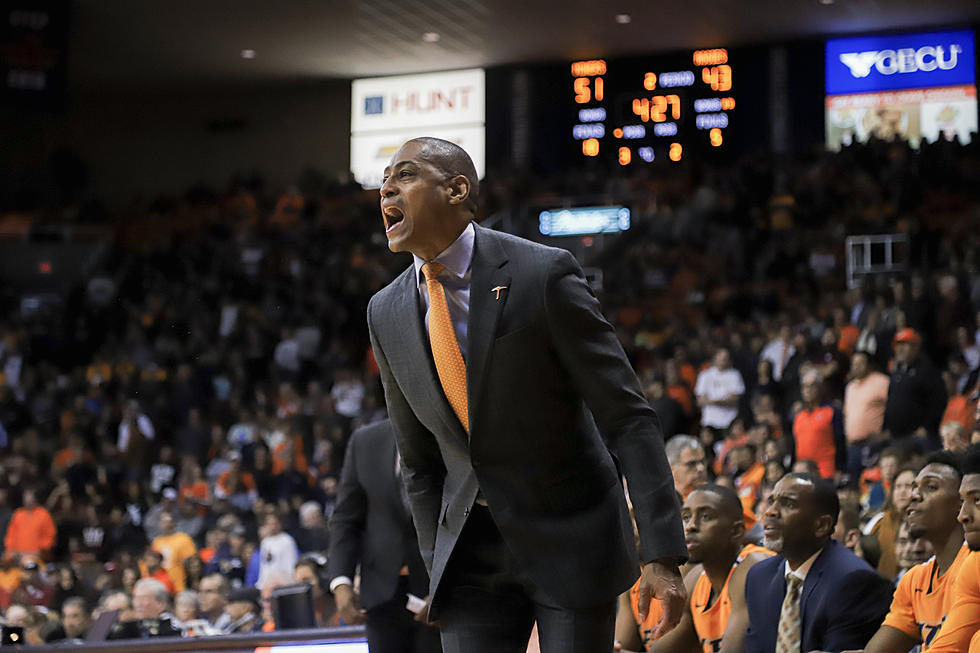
(348, 520)
(423, 471)
(591, 353)
(764, 598)
(858, 607)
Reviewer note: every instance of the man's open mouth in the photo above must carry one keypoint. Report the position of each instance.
(393, 217)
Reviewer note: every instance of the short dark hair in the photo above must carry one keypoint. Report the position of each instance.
(970, 462)
(75, 600)
(947, 458)
(824, 494)
(730, 503)
(453, 160)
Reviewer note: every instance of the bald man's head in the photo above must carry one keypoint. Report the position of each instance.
(452, 160)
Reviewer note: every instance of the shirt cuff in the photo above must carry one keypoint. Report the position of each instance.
(340, 580)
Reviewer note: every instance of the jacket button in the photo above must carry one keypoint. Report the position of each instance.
(466, 513)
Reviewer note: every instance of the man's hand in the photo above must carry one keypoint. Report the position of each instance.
(348, 605)
(662, 580)
(423, 615)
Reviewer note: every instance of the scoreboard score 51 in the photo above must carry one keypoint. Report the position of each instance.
(653, 109)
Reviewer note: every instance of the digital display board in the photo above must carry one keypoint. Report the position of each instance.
(584, 220)
(905, 86)
(387, 111)
(34, 37)
(654, 109)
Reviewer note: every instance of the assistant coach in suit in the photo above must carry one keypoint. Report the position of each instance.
(815, 595)
(371, 526)
(513, 402)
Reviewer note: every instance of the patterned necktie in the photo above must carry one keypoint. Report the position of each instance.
(445, 347)
(790, 629)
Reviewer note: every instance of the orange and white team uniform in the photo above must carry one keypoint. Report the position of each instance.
(962, 623)
(711, 620)
(923, 599)
(650, 623)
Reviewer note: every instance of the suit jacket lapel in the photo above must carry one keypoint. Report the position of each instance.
(813, 579)
(489, 289)
(407, 322)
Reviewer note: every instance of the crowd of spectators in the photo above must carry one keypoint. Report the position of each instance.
(172, 433)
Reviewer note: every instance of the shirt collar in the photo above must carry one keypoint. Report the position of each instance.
(803, 569)
(456, 258)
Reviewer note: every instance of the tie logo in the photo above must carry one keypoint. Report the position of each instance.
(497, 290)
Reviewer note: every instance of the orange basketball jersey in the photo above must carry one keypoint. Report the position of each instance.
(648, 625)
(923, 599)
(963, 619)
(710, 620)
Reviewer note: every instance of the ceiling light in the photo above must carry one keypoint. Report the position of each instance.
(248, 54)
(430, 37)
(623, 19)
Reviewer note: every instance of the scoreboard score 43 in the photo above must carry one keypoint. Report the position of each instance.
(653, 109)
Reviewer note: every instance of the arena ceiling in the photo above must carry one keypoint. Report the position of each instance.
(190, 42)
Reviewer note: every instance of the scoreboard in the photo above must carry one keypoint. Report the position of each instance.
(653, 110)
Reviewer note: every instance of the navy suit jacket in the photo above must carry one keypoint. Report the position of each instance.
(556, 413)
(842, 604)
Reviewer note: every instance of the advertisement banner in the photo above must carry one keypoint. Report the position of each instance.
(870, 64)
(387, 111)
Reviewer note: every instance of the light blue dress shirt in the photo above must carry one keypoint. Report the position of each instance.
(455, 281)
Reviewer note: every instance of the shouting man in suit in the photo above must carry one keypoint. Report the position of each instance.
(816, 594)
(371, 525)
(512, 402)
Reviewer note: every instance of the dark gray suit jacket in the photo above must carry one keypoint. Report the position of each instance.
(554, 406)
(370, 525)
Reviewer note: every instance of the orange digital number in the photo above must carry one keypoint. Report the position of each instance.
(655, 109)
(650, 81)
(719, 78)
(641, 107)
(584, 92)
(714, 136)
(625, 156)
(590, 147)
(676, 151)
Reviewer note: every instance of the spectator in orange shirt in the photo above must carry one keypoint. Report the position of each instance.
(175, 548)
(289, 449)
(31, 531)
(864, 412)
(818, 429)
(193, 486)
(152, 567)
(236, 485)
(748, 474)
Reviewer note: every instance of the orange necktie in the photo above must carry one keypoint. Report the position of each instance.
(445, 347)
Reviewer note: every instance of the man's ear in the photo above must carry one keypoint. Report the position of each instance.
(825, 526)
(738, 530)
(459, 189)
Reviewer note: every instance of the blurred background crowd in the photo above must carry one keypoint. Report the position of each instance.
(171, 435)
